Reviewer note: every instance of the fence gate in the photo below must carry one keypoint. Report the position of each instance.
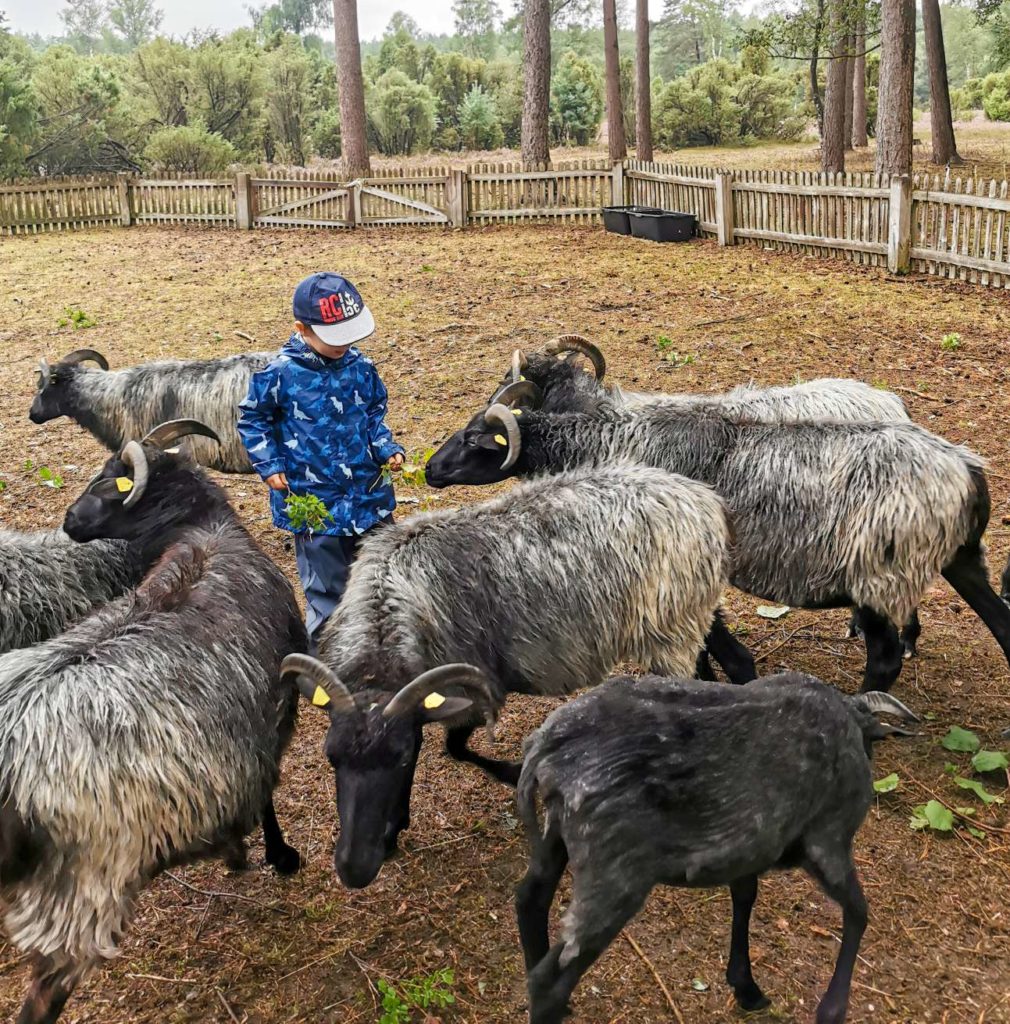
(387, 201)
(301, 204)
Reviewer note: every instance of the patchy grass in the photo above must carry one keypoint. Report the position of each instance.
(450, 308)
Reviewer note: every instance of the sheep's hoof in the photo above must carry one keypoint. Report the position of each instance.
(236, 857)
(287, 862)
(750, 998)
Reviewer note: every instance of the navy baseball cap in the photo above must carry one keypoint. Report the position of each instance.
(332, 307)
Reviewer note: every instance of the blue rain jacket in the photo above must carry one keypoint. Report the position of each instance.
(321, 422)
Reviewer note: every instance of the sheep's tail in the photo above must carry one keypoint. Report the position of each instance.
(526, 801)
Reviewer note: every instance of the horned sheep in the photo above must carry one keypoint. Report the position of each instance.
(826, 514)
(542, 590)
(658, 781)
(149, 734)
(116, 405)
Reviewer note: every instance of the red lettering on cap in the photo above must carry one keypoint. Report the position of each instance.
(330, 312)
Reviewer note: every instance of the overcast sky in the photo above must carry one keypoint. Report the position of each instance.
(182, 15)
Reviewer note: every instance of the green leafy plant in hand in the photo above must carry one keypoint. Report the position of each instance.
(307, 512)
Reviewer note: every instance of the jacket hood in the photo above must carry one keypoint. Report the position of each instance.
(296, 349)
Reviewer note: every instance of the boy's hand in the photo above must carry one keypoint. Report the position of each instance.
(277, 482)
(396, 462)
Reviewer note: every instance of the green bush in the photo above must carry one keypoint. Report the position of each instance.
(478, 121)
(972, 94)
(996, 96)
(576, 101)
(401, 114)
(450, 79)
(326, 135)
(190, 148)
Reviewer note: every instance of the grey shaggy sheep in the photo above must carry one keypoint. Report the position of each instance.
(48, 582)
(566, 388)
(652, 781)
(543, 590)
(825, 514)
(115, 405)
(150, 733)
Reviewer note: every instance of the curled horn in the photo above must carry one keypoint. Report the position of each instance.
(467, 677)
(166, 434)
(518, 365)
(520, 391)
(85, 355)
(881, 703)
(134, 457)
(503, 416)
(576, 343)
(319, 675)
(44, 369)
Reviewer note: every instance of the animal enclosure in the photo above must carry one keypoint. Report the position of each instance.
(210, 946)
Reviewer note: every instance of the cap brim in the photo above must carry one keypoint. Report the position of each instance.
(348, 332)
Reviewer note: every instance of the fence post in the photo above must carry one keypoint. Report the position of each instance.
(899, 226)
(123, 187)
(243, 202)
(617, 187)
(724, 207)
(455, 193)
(354, 204)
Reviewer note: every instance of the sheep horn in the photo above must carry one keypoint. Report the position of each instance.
(44, 368)
(166, 434)
(519, 391)
(320, 676)
(84, 355)
(134, 457)
(468, 677)
(576, 343)
(881, 703)
(518, 365)
(502, 416)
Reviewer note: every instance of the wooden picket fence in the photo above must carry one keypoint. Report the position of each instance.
(951, 228)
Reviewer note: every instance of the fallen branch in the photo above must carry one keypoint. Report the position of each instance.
(245, 337)
(210, 894)
(224, 1003)
(918, 394)
(659, 981)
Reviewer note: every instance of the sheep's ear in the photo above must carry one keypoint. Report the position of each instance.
(882, 730)
(435, 707)
(318, 696)
(494, 442)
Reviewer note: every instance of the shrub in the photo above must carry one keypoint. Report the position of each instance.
(190, 148)
(401, 114)
(576, 101)
(478, 121)
(972, 93)
(996, 96)
(326, 135)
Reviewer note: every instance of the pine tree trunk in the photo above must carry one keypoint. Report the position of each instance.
(850, 66)
(615, 114)
(353, 135)
(859, 139)
(897, 77)
(536, 82)
(643, 78)
(833, 132)
(944, 144)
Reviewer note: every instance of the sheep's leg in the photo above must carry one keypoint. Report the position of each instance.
(283, 858)
(456, 747)
(593, 921)
(703, 667)
(49, 992)
(738, 971)
(235, 854)
(535, 893)
(855, 629)
(967, 574)
(910, 635)
(847, 892)
(883, 650)
(736, 660)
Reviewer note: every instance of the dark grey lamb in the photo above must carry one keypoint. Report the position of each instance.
(149, 734)
(116, 405)
(655, 781)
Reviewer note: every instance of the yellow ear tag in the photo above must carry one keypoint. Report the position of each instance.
(433, 700)
(521, 377)
(501, 440)
(124, 484)
(517, 412)
(320, 698)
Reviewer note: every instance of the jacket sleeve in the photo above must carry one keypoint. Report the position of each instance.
(379, 435)
(259, 412)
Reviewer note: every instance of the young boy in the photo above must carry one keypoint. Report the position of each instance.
(313, 423)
